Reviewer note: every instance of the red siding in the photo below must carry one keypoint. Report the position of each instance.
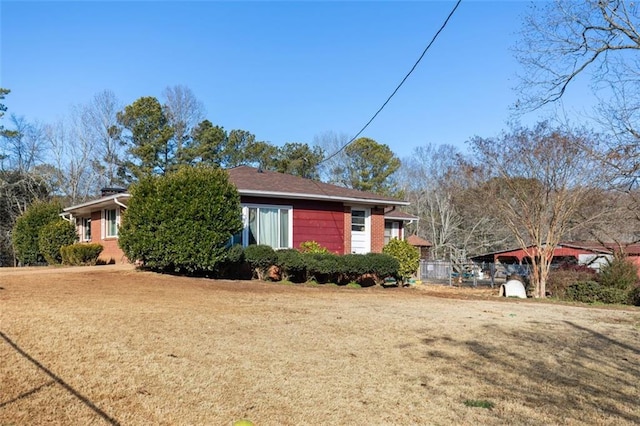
(322, 222)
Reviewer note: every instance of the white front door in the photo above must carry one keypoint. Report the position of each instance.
(360, 230)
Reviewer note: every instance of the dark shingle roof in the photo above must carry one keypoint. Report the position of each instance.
(263, 183)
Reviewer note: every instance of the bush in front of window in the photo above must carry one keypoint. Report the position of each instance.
(80, 254)
(53, 236)
(181, 222)
(260, 257)
(26, 231)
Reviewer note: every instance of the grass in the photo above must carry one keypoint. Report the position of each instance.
(113, 346)
(479, 403)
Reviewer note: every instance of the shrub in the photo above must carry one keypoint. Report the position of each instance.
(384, 265)
(232, 265)
(291, 264)
(634, 296)
(619, 273)
(584, 291)
(560, 279)
(312, 247)
(53, 236)
(323, 267)
(181, 222)
(407, 256)
(26, 231)
(80, 254)
(260, 257)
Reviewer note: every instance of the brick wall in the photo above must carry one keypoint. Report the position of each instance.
(347, 230)
(377, 230)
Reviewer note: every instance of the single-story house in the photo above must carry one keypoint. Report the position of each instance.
(590, 253)
(278, 209)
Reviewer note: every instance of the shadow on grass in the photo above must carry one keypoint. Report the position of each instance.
(55, 379)
(572, 372)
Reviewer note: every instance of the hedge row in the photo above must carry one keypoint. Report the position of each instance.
(292, 265)
(80, 254)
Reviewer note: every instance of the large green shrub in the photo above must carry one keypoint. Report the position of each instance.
(619, 273)
(406, 254)
(384, 265)
(181, 222)
(291, 264)
(260, 257)
(26, 231)
(592, 292)
(80, 254)
(560, 279)
(53, 236)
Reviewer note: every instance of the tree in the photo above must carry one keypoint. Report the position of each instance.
(18, 190)
(181, 221)
(540, 180)
(23, 147)
(96, 124)
(184, 112)
(149, 139)
(299, 159)
(563, 41)
(26, 231)
(208, 143)
(53, 236)
(370, 167)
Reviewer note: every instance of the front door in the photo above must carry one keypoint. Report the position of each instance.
(360, 230)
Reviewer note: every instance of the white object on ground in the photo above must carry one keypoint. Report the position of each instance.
(513, 288)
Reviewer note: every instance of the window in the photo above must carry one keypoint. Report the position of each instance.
(269, 225)
(111, 223)
(391, 231)
(357, 220)
(86, 229)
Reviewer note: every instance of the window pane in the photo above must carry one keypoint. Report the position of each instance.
(268, 227)
(110, 217)
(86, 225)
(284, 228)
(253, 225)
(357, 220)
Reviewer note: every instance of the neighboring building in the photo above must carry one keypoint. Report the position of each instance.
(589, 253)
(424, 246)
(279, 210)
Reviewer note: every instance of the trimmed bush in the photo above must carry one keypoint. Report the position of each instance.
(407, 256)
(634, 296)
(312, 247)
(233, 265)
(181, 222)
(322, 267)
(53, 236)
(80, 254)
(384, 265)
(260, 257)
(26, 231)
(291, 264)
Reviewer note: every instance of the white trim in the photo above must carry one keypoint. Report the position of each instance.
(102, 200)
(367, 229)
(297, 196)
(104, 226)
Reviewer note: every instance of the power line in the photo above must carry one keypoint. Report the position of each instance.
(444, 24)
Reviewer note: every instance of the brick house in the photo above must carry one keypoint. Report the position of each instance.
(278, 209)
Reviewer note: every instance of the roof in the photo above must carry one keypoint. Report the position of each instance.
(414, 240)
(103, 202)
(395, 214)
(591, 246)
(263, 183)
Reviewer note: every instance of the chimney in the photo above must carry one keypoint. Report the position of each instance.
(105, 192)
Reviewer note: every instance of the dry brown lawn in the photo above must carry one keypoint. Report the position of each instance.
(110, 345)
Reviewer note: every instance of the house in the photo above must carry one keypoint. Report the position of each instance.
(278, 209)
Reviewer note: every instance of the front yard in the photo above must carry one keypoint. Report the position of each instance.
(110, 345)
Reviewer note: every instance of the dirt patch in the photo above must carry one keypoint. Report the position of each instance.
(116, 346)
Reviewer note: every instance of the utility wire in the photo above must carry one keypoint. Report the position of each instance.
(444, 24)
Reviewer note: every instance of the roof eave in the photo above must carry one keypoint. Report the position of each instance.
(316, 197)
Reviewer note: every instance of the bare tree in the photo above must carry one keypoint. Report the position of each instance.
(96, 124)
(331, 143)
(184, 112)
(565, 40)
(71, 153)
(23, 145)
(541, 181)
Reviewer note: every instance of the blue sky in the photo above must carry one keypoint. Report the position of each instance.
(285, 71)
